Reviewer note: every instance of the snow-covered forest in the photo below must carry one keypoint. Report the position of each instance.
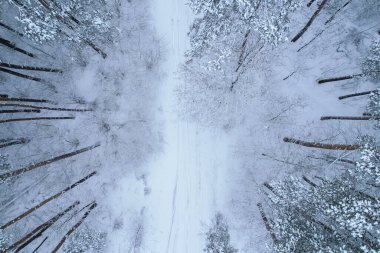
(216, 126)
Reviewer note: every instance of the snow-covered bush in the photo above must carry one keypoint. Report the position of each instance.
(218, 237)
(371, 65)
(373, 107)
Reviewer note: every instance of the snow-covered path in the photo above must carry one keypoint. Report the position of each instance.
(185, 179)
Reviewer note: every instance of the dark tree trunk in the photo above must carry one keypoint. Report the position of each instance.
(356, 94)
(31, 100)
(308, 43)
(55, 196)
(14, 66)
(21, 75)
(72, 229)
(34, 118)
(46, 108)
(39, 245)
(310, 3)
(13, 46)
(11, 29)
(3, 95)
(346, 117)
(340, 78)
(337, 11)
(20, 111)
(41, 227)
(46, 162)
(321, 145)
(242, 52)
(14, 142)
(308, 24)
(266, 222)
(307, 180)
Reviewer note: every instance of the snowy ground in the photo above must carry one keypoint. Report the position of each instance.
(185, 178)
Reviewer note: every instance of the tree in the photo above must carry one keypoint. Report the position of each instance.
(218, 237)
(221, 18)
(340, 215)
(373, 107)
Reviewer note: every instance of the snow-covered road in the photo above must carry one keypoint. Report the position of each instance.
(186, 178)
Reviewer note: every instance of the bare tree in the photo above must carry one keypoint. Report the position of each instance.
(34, 118)
(14, 142)
(5, 98)
(39, 205)
(340, 78)
(46, 162)
(46, 108)
(44, 226)
(347, 117)
(356, 94)
(308, 24)
(20, 111)
(266, 222)
(13, 46)
(14, 73)
(322, 145)
(91, 207)
(15, 66)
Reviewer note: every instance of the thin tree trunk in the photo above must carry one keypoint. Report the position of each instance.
(72, 229)
(346, 117)
(33, 119)
(321, 145)
(310, 3)
(46, 162)
(337, 11)
(308, 24)
(13, 46)
(14, 66)
(32, 100)
(308, 43)
(20, 111)
(356, 94)
(266, 222)
(55, 196)
(243, 47)
(340, 78)
(309, 181)
(39, 246)
(14, 142)
(21, 75)
(43, 226)
(288, 76)
(40, 232)
(47, 108)
(11, 29)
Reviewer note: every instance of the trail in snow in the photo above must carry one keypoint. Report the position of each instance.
(185, 179)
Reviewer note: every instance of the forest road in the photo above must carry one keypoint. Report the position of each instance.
(184, 178)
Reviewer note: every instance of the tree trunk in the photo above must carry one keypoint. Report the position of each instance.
(39, 245)
(20, 111)
(340, 78)
(14, 66)
(46, 162)
(337, 11)
(55, 196)
(309, 181)
(14, 142)
(32, 100)
(33, 119)
(42, 230)
(356, 94)
(3, 95)
(347, 117)
(310, 3)
(340, 159)
(243, 47)
(308, 24)
(72, 229)
(13, 46)
(21, 75)
(11, 29)
(41, 227)
(46, 108)
(321, 145)
(266, 222)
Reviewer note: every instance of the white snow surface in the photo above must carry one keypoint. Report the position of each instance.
(186, 177)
